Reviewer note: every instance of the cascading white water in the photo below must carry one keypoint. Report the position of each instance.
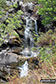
(27, 33)
(27, 50)
(36, 27)
(28, 36)
(24, 69)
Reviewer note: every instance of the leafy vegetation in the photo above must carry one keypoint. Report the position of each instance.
(47, 39)
(47, 10)
(13, 22)
(46, 42)
(48, 57)
(7, 25)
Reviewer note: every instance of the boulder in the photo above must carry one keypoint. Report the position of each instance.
(7, 58)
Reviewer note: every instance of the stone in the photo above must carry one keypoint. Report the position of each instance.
(6, 58)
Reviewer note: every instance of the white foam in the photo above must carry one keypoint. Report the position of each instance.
(24, 69)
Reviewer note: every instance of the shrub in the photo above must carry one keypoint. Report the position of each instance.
(47, 9)
(48, 38)
(12, 22)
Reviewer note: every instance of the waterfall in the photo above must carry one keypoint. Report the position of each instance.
(36, 27)
(24, 69)
(27, 50)
(28, 33)
(28, 36)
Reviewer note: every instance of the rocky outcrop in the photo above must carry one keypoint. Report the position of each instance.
(7, 58)
(10, 56)
(30, 8)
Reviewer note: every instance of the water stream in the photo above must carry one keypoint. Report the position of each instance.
(29, 41)
(24, 69)
(28, 44)
(36, 27)
(28, 33)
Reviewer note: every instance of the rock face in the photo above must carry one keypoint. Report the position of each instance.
(7, 58)
(30, 8)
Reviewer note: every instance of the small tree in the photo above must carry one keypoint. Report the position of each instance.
(47, 9)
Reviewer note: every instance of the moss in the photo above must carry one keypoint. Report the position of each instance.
(34, 49)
